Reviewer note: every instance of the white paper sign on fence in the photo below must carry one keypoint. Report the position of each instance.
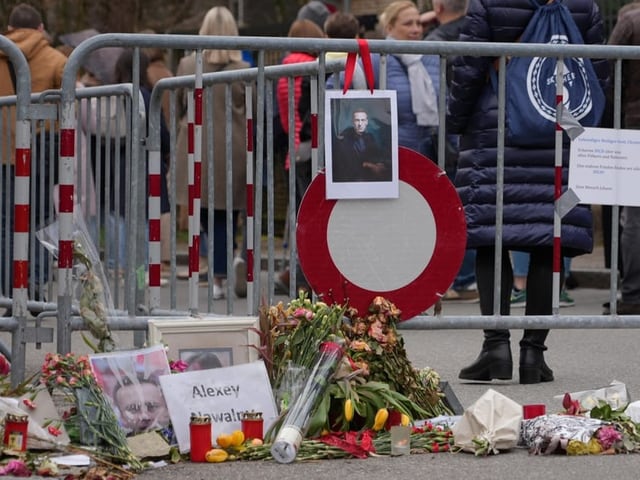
(223, 394)
(604, 167)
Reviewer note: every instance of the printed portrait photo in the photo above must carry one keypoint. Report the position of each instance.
(206, 358)
(130, 381)
(361, 144)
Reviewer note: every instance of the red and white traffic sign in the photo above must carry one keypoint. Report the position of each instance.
(407, 250)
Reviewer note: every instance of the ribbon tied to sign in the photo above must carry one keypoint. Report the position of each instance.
(350, 65)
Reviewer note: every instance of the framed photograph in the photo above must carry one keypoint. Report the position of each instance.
(361, 144)
(131, 382)
(207, 342)
(205, 358)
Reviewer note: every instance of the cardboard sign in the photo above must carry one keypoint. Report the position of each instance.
(222, 394)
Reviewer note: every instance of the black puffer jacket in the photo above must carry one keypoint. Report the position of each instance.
(529, 172)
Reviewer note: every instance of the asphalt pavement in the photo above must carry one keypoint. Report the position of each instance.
(581, 359)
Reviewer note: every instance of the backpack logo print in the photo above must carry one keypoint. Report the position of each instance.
(575, 80)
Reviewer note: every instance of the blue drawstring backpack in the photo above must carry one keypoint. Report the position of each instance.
(531, 81)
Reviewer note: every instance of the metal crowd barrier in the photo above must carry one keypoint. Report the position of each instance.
(139, 302)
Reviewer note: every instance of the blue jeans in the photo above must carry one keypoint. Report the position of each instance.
(116, 241)
(520, 262)
(467, 273)
(219, 238)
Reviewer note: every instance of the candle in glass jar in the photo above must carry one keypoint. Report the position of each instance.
(252, 425)
(15, 431)
(200, 437)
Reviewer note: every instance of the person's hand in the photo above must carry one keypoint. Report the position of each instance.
(375, 168)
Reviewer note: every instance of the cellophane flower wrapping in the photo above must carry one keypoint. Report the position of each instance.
(298, 418)
(93, 296)
(548, 434)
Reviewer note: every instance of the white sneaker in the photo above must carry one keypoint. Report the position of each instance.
(240, 271)
(218, 292)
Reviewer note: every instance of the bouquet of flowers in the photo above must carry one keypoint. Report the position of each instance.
(92, 418)
(374, 377)
(94, 302)
(576, 431)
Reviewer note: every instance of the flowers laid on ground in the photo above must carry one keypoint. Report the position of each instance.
(91, 420)
(374, 377)
(576, 431)
(425, 439)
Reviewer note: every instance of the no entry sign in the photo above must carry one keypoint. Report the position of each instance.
(407, 250)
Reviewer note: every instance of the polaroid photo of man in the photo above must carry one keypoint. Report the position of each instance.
(361, 144)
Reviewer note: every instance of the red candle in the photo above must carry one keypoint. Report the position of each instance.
(200, 437)
(15, 431)
(252, 425)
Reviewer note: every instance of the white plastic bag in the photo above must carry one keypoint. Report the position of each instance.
(491, 424)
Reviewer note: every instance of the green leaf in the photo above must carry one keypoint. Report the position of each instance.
(320, 420)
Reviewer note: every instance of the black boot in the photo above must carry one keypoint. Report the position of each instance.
(494, 362)
(533, 368)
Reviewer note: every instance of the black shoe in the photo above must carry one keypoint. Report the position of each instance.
(493, 363)
(533, 368)
(623, 308)
(571, 282)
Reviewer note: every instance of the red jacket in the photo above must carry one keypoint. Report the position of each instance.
(282, 93)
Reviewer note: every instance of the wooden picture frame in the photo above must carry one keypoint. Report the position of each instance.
(231, 337)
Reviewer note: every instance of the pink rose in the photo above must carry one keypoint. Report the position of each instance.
(5, 366)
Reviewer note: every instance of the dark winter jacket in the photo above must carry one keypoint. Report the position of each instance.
(529, 172)
(627, 32)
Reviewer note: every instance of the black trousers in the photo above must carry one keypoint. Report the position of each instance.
(539, 292)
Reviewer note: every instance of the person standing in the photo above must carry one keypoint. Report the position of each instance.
(300, 28)
(627, 32)
(449, 17)
(415, 78)
(46, 64)
(529, 176)
(218, 21)
(343, 25)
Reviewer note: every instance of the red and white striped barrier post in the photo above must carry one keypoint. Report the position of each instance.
(249, 227)
(21, 218)
(155, 264)
(194, 119)
(68, 124)
(557, 257)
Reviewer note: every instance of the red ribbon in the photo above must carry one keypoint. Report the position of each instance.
(350, 443)
(350, 66)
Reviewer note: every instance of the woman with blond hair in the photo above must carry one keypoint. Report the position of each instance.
(414, 77)
(220, 22)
